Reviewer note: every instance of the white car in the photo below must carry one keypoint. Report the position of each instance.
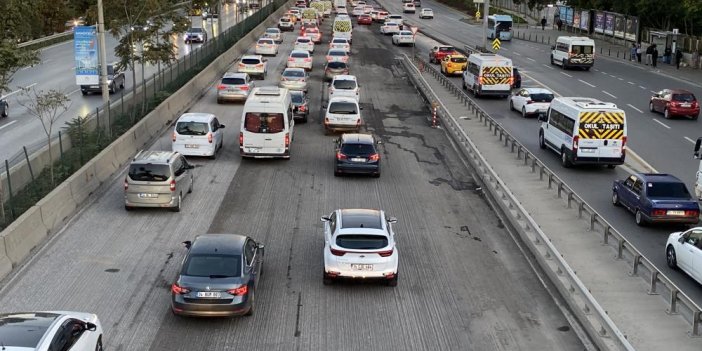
(300, 59)
(198, 134)
(266, 46)
(531, 101)
(254, 65)
(340, 55)
(50, 330)
(367, 9)
(426, 13)
(275, 34)
(304, 43)
(394, 18)
(684, 250)
(286, 23)
(390, 28)
(357, 11)
(404, 37)
(345, 85)
(360, 244)
(340, 43)
(343, 114)
(408, 7)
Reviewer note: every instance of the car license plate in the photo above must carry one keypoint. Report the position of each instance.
(358, 159)
(209, 294)
(191, 146)
(685, 105)
(362, 267)
(252, 150)
(587, 151)
(676, 213)
(147, 196)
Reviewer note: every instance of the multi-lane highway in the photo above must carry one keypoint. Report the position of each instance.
(666, 145)
(464, 284)
(57, 71)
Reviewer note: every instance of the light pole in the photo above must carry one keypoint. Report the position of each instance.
(486, 8)
(102, 55)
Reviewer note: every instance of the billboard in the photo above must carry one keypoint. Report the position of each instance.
(619, 26)
(609, 23)
(599, 22)
(576, 20)
(86, 55)
(632, 28)
(585, 20)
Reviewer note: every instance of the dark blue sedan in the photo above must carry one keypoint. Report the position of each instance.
(356, 154)
(656, 198)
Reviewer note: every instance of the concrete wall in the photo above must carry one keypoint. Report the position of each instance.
(50, 214)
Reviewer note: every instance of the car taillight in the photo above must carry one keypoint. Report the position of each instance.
(172, 185)
(244, 87)
(336, 252)
(309, 59)
(511, 80)
(692, 213)
(240, 291)
(329, 58)
(209, 137)
(326, 120)
(623, 143)
(387, 253)
(658, 212)
(340, 156)
(571, 54)
(302, 108)
(448, 65)
(290, 59)
(287, 140)
(241, 139)
(480, 80)
(221, 87)
(259, 65)
(374, 157)
(575, 142)
(174, 136)
(179, 290)
(241, 65)
(331, 90)
(126, 184)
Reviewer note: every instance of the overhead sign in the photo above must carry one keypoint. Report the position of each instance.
(478, 1)
(86, 55)
(496, 44)
(414, 30)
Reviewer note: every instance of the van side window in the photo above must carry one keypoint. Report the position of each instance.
(638, 186)
(561, 122)
(473, 68)
(562, 47)
(178, 166)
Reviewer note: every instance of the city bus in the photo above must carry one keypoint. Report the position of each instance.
(501, 24)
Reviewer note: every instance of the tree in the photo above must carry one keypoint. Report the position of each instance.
(47, 107)
(12, 59)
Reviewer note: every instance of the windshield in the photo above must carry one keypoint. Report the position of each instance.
(358, 149)
(667, 190)
(265, 42)
(300, 55)
(582, 49)
(361, 241)
(339, 41)
(446, 48)
(505, 26)
(192, 128)
(345, 84)
(294, 73)
(337, 53)
(343, 108)
(149, 172)
(250, 61)
(212, 266)
(264, 122)
(303, 40)
(541, 97)
(233, 81)
(272, 31)
(459, 59)
(336, 65)
(683, 97)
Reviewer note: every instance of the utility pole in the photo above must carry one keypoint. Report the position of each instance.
(102, 55)
(486, 8)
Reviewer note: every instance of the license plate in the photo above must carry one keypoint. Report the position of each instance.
(252, 150)
(362, 267)
(458, 72)
(676, 213)
(358, 159)
(214, 294)
(191, 146)
(588, 151)
(147, 196)
(685, 105)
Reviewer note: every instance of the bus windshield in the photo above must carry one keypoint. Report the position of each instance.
(504, 26)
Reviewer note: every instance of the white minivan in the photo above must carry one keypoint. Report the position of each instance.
(345, 85)
(267, 124)
(343, 114)
(198, 134)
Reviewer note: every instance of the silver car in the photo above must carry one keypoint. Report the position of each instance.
(158, 179)
(294, 79)
(234, 86)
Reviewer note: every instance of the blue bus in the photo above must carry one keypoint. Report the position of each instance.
(501, 24)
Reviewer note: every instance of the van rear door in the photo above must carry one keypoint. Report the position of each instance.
(496, 78)
(601, 134)
(265, 133)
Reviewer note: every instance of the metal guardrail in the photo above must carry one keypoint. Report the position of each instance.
(678, 302)
(47, 40)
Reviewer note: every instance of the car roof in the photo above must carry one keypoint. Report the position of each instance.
(235, 75)
(306, 38)
(258, 57)
(153, 156)
(343, 99)
(339, 38)
(25, 329)
(274, 29)
(361, 218)
(659, 177)
(680, 91)
(357, 138)
(345, 77)
(196, 117)
(338, 50)
(300, 52)
(265, 38)
(538, 91)
(293, 69)
(218, 243)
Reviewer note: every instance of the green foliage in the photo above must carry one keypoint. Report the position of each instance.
(12, 59)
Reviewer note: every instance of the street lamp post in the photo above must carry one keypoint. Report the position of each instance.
(102, 56)
(486, 8)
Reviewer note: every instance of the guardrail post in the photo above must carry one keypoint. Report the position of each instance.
(550, 180)
(533, 165)
(593, 219)
(560, 189)
(635, 268)
(696, 319)
(673, 302)
(605, 240)
(570, 199)
(581, 208)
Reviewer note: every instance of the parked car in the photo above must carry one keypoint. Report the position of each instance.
(356, 154)
(234, 86)
(4, 108)
(294, 79)
(683, 250)
(335, 68)
(531, 101)
(158, 179)
(301, 105)
(656, 198)
(195, 34)
(360, 244)
(50, 330)
(218, 277)
(675, 102)
(115, 81)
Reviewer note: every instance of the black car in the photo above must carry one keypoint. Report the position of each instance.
(4, 108)
(219, 276)
(357, 154)
(301, 105)
(417, 3)
(115, 81)
(517, 78)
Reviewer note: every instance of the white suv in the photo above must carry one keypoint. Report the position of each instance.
(254, 65)
(360, 243)
(346, 86)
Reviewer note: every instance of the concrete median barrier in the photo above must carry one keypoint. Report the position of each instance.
(57, 207)
(105, 164)
(5, 263)
(23, 235)
(124, 148)
(83, 183)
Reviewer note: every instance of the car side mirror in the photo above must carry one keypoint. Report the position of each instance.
(392, 220)
(681, 239)
(325, 219)
(553, 47)
(187, 244)
(360, 107)
(698, 143)
(260, 246)
(221, 126)
(90, 326)
(324, 106)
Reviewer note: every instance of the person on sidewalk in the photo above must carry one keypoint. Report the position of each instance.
(638, 52)
(649, 55)
(667, 55)
(654, 55)
(543, 23)
(678, 58)
(559, 24)
(632, 52)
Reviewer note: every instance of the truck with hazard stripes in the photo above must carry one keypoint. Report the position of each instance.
(488, 74)
(584, 130)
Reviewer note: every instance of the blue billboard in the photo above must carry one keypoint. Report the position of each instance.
(85, 46)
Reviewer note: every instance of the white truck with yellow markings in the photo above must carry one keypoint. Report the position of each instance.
(488, 74)
(584, 130)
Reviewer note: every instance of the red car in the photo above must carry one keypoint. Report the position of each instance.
(675, 102)
(307, 26)
(365, 19)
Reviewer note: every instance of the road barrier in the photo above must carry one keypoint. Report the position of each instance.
(51, 213)
(677, 301)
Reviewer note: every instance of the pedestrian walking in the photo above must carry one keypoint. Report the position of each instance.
(678, 58)
(638, 52)
(649, 55)
(667, 55)
(543, 23)
(654, 55)
(559, 24)
(632, 52)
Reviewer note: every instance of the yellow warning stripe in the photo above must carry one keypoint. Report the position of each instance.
(610, 118)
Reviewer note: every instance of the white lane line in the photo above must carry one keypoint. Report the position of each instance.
(690, 140)
(566, 74)
(642, 87)
(632, 83)
(653, 92)
(661, 123)
(73, 92)
(632, 106)
(16, 91)
(613, 76)
(620, 78)
(547, 66)
(518, 54)
(609, 94)
(584, 82)
(595, 69)
(531, 59)
(30, 85)
(8, 124)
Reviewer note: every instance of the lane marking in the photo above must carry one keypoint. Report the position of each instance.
(8, 124)
(661, 123)
(584, 82)
(30, 85)
(620, 78)
(531, 59)
(613, 76)
(609, 94)
(632, 83)
(690, 140)
(566, 74)
(73, 92)
(653, 92)
(595, 69)
(17, 91)
(603, 72)
(547, 66)
(518, 54)
(642, 87)
(632, 106)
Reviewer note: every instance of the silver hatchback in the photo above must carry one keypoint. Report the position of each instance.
(294, 79)
(234, 86)
(158, 179)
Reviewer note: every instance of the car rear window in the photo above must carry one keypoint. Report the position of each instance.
(250, 61)
(459, 59)
(296, 97)
(446, 48)
(667, 190)
(272, 31)
(300, 55)
(264, 122)
(265, 41)
(195, 30)
(149, 172)
(339, 41)
(285, 20)
(541, 97)
(346, 84)
(293, 73)
(357, 149)
(199, 265)
(337, 53)
(26, 330)
(192, 128)
(582, 49)
(233, 81)
(683, 97)
(343, 108)
(303, 40)
(336, 65)
(361, 241)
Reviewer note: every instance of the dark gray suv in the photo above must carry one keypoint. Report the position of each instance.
(4, 108)
(218, 277)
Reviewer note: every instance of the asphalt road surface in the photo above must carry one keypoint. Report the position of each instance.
(661, 143)
(464, 285)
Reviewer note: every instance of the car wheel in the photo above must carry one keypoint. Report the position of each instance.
(304, 119)
(650, 107)
(638, 217)
(511, 105)
(563, 66)
(98, 346)
(252, 297)
(84, 92)
(542, 142)
(611, 166)
(190, 190)
(176, 208)
(219, 101)
(670, 258)
(666, 113)
(524, 114)
(128, 208)
(475, 91)
(112, 88)
(463, 84)
(6, 111)
(326, 280)
(694, 118)
(392, 282)
(565, 162)
(615, 198)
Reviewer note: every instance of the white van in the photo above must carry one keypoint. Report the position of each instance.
(573, 52)
(343, 114)
(342, 27)
(488, 74)
(198, 134)
(584, 131)
(267, 124)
